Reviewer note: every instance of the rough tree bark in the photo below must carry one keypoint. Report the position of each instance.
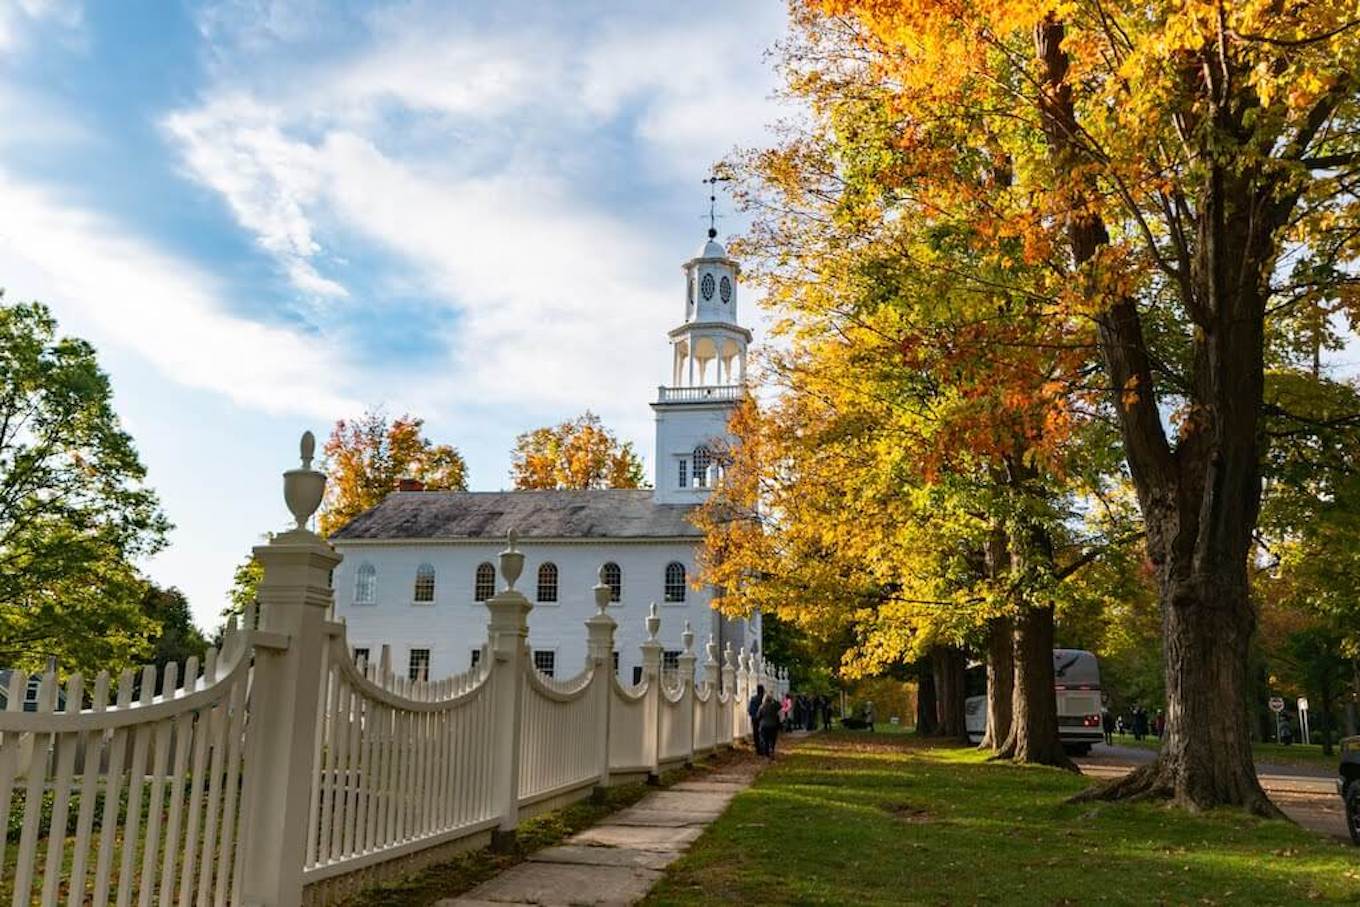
(927, 715)
(1000, 683)
(949, 664)
(1200, 498)
(1033, 737)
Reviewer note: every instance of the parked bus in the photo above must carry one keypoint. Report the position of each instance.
(1076, 685)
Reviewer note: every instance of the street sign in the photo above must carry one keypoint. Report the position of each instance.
(1303, 703)
(1276, 704)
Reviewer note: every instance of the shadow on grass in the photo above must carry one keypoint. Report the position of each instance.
(825, 825)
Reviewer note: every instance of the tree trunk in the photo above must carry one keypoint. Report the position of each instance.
(949, 665)
(1034, 738)
(1199, 498)
(1000, 683)
(1205, 759)
(927, 720)
(1326, 713)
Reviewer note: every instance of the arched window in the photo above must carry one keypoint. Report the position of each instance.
(702, 460)
(675, 582)
(424, 591)
(547, 582)
(485, 584)
(365, 584)
(613, 578)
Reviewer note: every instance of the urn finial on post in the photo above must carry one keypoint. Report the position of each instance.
(304, 488)
(653, 623)
(603, 592)
(511, 560)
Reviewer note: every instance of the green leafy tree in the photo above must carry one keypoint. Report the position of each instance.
(245, 586)
(178, 638)
(75, 512)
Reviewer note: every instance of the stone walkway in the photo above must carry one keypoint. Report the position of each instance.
(618, 862)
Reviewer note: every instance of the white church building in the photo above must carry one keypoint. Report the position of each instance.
(418, 566)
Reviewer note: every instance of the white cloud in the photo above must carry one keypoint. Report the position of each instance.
(237, 146)
(116, 289)
(702, 90)
(556, 295)
(19, 17)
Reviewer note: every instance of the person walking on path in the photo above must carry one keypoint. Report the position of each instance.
(752, 708)
(826, 712)
(769, 719)
(869, 715)
(1140, 723)
(1107, 725)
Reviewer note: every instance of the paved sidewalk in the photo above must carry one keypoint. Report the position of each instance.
(617, 863)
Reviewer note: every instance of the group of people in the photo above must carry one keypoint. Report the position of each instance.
(1139, 723)
(769, 715)
(804, 712)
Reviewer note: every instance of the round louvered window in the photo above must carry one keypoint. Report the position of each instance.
(725, 290)
(706, 286)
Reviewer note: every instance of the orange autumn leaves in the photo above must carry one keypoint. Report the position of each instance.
(577, 453)
(365, 458)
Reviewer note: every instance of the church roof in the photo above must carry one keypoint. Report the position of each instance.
(618, 513)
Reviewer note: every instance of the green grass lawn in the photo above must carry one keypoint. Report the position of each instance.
(850, 818)
(1273, 753)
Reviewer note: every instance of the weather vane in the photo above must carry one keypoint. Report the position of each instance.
(713, 215)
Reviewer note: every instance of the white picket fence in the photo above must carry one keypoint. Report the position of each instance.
(283, 772)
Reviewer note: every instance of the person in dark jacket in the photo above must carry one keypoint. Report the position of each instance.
(767, 717)
(826, 712)
(1107, 725)
(752, 708)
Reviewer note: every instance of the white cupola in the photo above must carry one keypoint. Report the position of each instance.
(709, 347)
(708, 378)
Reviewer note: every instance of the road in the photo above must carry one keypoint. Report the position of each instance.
(1306, 794)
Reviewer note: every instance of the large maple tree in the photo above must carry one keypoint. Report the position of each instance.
(1179, 174)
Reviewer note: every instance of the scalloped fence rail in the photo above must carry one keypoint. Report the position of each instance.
(278, 770)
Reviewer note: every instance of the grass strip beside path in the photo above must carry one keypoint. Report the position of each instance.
(852, 818)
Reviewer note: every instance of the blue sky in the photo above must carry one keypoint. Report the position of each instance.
(269, 214)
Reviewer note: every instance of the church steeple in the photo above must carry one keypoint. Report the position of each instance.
(709, 346)
(708, 377)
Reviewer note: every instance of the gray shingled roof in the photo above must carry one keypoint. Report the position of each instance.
(605, 513)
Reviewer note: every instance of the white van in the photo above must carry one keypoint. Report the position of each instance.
(1076, 685)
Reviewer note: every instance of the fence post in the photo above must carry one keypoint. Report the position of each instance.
(295, 597)
(600, 636)
(735, 704)
(747, 691)
(686, 661)
(714, 709)
(651, 674)
(508, 631)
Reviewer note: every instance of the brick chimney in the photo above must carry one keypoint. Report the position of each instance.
(410, 485)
